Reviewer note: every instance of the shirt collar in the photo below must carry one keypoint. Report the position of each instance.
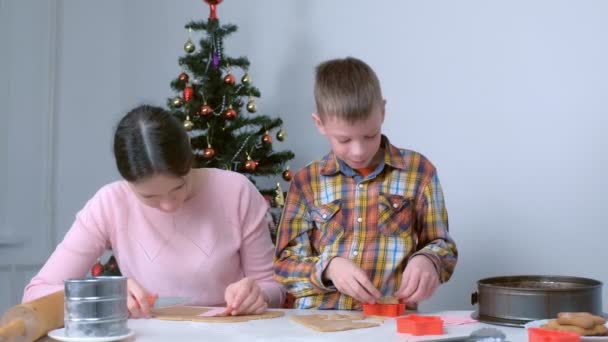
(330, 164)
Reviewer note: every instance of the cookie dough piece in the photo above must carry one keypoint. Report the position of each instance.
(596, 330)
(580, 319)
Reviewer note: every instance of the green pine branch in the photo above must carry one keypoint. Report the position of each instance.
(234, 141)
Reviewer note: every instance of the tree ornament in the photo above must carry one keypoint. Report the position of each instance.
(209, 152)
(281, 135)
(230, 113)
(188, 125)
(287, 174)
(206, 110)
(97, 269)
(212, 8)
(183, 77)
(267, 138)
(279, 198)
(229, 79)
(216, 60)
(189, 46)
(250, 165)
(177, 102)
(246, 79)
(251, 106)
(188, 92)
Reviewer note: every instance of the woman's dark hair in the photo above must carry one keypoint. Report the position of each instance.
(150, 141)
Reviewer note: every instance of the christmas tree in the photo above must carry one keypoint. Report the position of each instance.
(209, 100)
(110, 268)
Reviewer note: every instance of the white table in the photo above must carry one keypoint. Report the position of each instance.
(284, 330)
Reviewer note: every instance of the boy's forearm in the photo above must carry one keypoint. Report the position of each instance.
(296, 265)
(302, 276)
(443, 254)
(435, 241)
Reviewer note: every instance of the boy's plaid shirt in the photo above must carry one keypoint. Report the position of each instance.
(379, 223)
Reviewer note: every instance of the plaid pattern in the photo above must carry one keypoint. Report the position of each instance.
(379, 222)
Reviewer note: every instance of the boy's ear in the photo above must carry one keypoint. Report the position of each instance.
(318, 123)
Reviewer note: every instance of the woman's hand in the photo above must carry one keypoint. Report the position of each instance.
(137, 300)
(245, 297)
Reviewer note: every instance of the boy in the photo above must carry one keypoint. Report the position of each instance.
(367, 221)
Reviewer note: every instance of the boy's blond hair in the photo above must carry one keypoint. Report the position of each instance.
(346, 89)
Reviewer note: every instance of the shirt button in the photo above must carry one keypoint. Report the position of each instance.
(359, 219)
(395, 205)
(355, 253)
(324, 216)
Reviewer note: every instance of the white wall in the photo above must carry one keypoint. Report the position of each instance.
(4, 94)
(27, 69)
(507, 98)
(89, 101)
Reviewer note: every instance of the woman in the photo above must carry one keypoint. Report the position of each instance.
(174, 230)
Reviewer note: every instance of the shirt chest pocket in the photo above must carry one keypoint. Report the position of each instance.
(328, 222)
(395, 214)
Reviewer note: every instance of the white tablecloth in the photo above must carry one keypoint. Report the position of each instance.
(284, 330)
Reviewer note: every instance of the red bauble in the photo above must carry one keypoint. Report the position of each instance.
(212, 4)
(188, 93)
(205, 110)
(287, 175)
(229, 79)
(97, 269)
(208, 153)
(266, 138)
(183, 77)
(250, 165)
(230, 114)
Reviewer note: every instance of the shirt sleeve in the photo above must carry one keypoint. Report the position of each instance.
(257, 250)
(297, 265)
(434, 240)
(82, 245)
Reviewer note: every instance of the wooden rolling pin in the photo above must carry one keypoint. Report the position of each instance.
(28, 322)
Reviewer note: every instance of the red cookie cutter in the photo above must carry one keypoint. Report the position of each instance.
(543, 335)
(388, 310)
(420, 325)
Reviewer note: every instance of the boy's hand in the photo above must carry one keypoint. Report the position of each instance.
(349, 279)
(137, 300)
(419, 280)
(245, 297)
